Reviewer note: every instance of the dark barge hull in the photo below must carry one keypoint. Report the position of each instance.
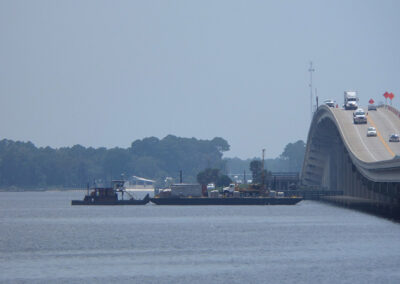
(227, 201)
(143, 201)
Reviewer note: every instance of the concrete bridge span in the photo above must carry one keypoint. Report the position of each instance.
(340, 156)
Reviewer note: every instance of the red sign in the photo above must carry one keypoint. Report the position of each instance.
(391, 96)
(386, 95)
(371, 101)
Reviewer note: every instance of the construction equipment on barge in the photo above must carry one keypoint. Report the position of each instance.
(109, 196)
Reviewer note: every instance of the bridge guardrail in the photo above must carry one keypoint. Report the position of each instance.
(391, 108)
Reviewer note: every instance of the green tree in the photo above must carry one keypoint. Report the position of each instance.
(208, 176)
(258, 173)
(256, 168)
(223, 180)
(294, 154)
(221, 144)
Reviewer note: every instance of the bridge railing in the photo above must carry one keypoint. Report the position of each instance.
(392, 109)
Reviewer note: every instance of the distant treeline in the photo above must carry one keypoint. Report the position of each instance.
(291, 160)
(23, 165)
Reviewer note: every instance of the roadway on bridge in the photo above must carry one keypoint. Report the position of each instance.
(370, 149)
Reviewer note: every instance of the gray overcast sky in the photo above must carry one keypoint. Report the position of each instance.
(105, 73)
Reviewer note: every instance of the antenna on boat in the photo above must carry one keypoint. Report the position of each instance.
(87, 187)
(262, 172)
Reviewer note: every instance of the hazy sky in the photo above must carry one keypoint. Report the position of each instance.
(105, 73)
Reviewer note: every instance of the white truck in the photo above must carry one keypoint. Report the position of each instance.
(229, 189)
(350, 100)
(359, 116)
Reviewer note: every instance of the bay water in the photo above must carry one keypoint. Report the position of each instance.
(43, 239)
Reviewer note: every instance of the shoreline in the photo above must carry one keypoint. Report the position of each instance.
(40, 189)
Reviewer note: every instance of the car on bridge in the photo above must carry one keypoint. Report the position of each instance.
(359, 116)
(371, 107)
(330, 103)
(394, 138)
(371, 132)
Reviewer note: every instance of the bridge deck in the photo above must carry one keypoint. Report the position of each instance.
(370, 149)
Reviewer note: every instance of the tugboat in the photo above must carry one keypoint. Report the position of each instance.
(109, 196)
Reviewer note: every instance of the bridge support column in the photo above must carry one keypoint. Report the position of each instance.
(333, 166)
(340, 168)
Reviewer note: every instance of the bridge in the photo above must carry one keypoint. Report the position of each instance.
(340, 156)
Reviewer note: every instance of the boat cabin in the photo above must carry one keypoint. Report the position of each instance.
(105, 193)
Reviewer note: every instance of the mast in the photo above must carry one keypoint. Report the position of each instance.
(262, 172)
(311, 69)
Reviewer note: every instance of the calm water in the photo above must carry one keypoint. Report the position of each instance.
(44, 239)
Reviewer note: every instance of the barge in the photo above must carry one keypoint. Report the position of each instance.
(109, 196)
(226, 200)
(194, 194)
